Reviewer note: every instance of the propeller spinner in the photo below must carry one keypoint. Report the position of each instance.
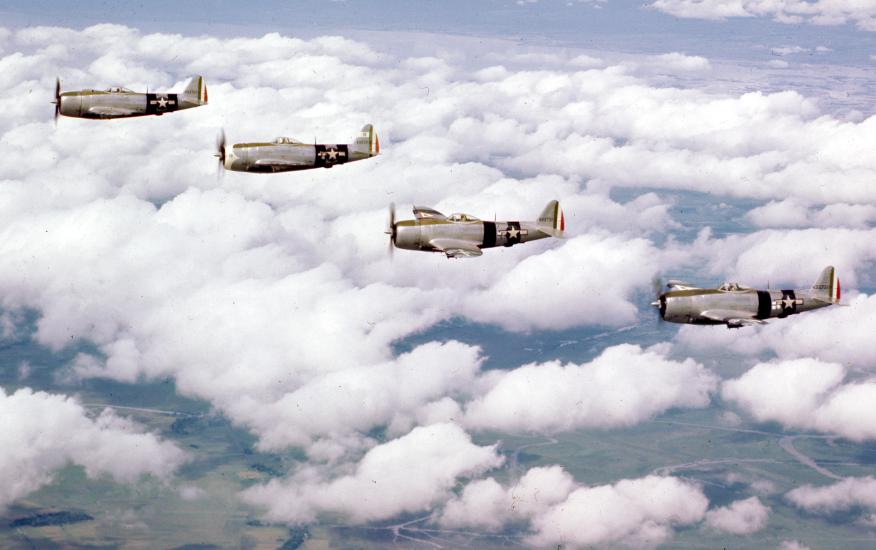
(659, 298)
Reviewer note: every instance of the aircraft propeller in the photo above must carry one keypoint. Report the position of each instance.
(391, 229)
(220, 152)
(57, 101)
(659, 299)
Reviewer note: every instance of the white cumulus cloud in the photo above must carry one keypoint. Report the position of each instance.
(554, 510)
(486, 504)
(848, 494)
(808, 394)
(41, 433)
(742, 517)
(639, 512)
(623, 386)
(835, 334)
(408, 474)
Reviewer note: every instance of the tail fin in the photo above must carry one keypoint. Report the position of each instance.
(367, 143)
(196, 91)
(827, 286)
(551, 220)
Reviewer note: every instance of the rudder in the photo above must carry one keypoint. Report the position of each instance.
(196, 90)
(551, 219)
(367, 142)
(827, 286)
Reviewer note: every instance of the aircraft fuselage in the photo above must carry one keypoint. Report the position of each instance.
(104, 105)
(288, 157)
(418, 234)
(689, 306)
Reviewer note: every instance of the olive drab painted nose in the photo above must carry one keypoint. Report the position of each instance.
(407, 236)
(70, 105)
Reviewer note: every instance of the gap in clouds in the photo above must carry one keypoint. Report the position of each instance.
(693, 211)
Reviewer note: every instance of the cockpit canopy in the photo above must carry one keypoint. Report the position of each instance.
(119, 90)
(733, 287)
(285, 141)
(459, 217)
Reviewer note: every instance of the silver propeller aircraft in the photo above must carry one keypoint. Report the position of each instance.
(736, 306)
(462, 235)
(124, 103)
(287, 154)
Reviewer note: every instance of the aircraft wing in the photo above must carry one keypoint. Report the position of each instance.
(732, 317)
(744, 322)
(281, 163)
(112, 111)
(456, 248)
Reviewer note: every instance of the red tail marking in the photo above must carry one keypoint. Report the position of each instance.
(837, 290)
(205, 94)
(562, 221)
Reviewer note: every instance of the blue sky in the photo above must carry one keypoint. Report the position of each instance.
(618, 26)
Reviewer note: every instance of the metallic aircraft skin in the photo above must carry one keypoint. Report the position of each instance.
(124, 103)
(736, 306)
(462, 235)
(287, 154)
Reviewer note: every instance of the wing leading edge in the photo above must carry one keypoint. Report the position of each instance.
(111, 111)
(731, 318)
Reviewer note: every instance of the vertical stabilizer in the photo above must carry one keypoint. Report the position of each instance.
(827, 286)
(196, 91)
(367, 143)
(551, 220)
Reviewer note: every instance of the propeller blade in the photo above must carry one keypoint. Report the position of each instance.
(391, 229)
(220, 152)
(392, 219)
(57, 101)
(657, 286)
(659, 299)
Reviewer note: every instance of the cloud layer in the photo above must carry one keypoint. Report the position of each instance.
(273, 299)
(819, 12)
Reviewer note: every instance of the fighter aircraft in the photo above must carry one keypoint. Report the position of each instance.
(287, 154)
(462, 235)
(736, 306)
(123, 103)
